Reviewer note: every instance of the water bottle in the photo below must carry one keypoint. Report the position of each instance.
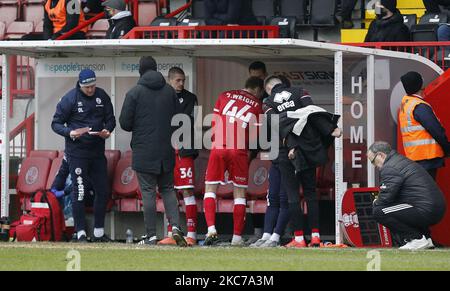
(129, 236)
(4, 229)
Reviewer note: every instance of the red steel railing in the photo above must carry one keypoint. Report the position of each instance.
(23, 134)
(202, 32)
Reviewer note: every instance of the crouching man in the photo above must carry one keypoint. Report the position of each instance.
(410, 201)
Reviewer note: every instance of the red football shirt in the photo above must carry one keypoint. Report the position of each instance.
(236, 120)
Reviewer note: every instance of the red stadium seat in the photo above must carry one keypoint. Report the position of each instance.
(147, 12)
(2, 30)
(39, 28)
(9, 11)
(258, 179)
(225, 191)
(112, 158)
(33, 177)
(60, 154)
(49, 154)
(257, 206)
(126, 192)
(225, 205)
(128, 154)
(200, 164)
(17, 29)
(56, 164)
(98, 29)
(33, 11)
(199, 205)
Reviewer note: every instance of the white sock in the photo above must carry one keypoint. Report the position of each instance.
(99, 232)
(266, 236)
(315, 234)
(299, 238)
(236, 238)
(275, 237)
(80, 233)
(192, 235)
(212, 229)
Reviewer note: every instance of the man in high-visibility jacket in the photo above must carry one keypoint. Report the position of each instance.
(61, 16)
(424, 138)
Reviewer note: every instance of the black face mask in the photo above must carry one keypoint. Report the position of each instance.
(108, 13)
(381, 13)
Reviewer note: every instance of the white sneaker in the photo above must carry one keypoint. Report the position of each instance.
(430, 243)
(237, 242)
(258, 243)
(417, 244)
(270, 244)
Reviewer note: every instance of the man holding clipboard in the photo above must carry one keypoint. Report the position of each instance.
(85, 117)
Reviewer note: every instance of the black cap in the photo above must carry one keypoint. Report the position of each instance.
(412, 82)
(391, 5)
(147, 64)
(115, 4)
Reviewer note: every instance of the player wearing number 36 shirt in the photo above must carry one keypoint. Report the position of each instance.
(235, 122)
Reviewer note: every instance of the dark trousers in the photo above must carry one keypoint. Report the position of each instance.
(277, 213)
(292, 181)
(148, 183)
(82, 172)
(433, 5)
(404, 220)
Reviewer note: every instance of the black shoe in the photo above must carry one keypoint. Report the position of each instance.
(102, 239)
(146, 240)
(83, 239)
(178, 236)
(211, 240)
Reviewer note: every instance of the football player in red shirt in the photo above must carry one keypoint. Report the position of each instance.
(235, 123)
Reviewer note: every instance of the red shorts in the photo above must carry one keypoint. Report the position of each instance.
(183, 174)
(235, 162)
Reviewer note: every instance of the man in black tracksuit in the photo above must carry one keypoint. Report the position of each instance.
(300, 155)
(409, 201)
(85, 117)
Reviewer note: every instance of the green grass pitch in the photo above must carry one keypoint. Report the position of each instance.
(52, 256)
